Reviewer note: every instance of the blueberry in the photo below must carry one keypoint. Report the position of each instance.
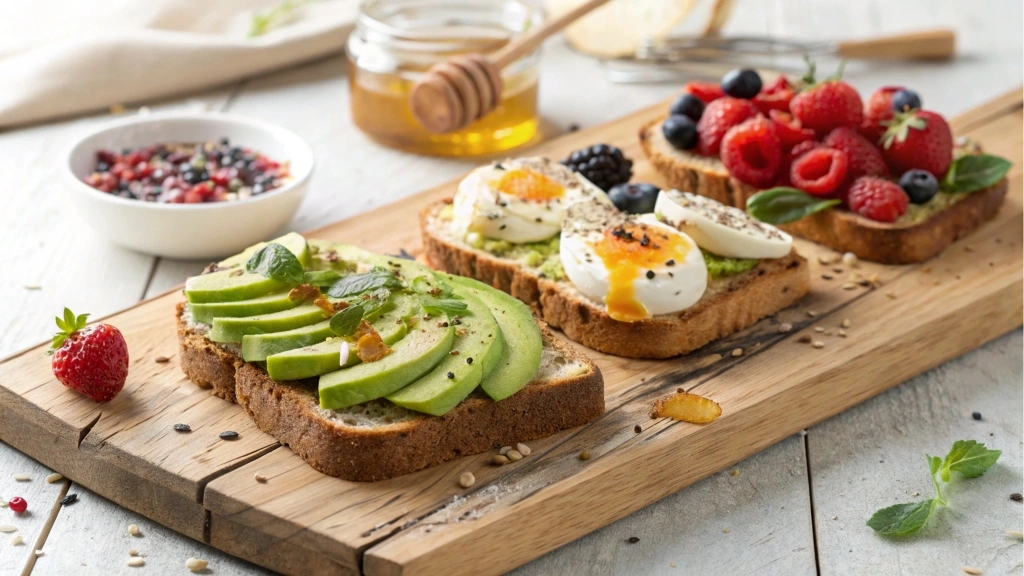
(191, 177)
(920, 185)
(634, 198)
(680, 131)
(102, 167)
(741, 83)
(905, 100)
(688, 105)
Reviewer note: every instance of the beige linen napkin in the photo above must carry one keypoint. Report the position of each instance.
(64, 57)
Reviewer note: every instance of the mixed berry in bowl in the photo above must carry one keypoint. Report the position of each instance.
(187, 173)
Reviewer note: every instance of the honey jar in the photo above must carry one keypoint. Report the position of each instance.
(396, 41)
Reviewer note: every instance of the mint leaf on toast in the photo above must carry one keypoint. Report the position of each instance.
(975, 172)
(320, 278)
(784, 204)
(358, 283)
(344, 323)
(276, 262)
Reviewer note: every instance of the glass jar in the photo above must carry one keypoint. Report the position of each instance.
(395, 41)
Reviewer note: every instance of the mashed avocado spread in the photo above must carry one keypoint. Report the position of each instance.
(542, 255)
(720, 266)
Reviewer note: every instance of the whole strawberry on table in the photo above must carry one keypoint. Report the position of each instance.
(92, 360)
(819, 142)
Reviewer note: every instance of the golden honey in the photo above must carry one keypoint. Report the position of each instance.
(395, 41)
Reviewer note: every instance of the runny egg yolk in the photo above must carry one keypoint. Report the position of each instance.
(628, 251)
(529, 185)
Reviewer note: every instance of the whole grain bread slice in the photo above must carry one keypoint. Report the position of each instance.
(379, 440)
(841, 230)
(730, 304)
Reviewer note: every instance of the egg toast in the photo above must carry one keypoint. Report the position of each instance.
(691, 312)
(906, 241)
(439, 390)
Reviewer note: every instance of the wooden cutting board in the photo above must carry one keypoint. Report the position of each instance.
(770, 385)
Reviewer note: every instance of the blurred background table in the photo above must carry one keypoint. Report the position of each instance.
(796, 508)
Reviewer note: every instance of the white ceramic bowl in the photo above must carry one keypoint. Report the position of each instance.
(193, 231)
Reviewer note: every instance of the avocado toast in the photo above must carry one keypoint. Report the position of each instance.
(374, 366)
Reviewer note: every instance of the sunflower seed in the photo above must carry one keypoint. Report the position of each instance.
(133, 552)
(135, 562)
(69, 499)
(1015, 534)
(7, 528)
(195, 564)
(499, 460)
(17, 540)
(54, 478)
(523, 449)
(133, 529)
(971, 570)
(504, 450)
(514, 455)
(737, 352)
(785, 327)
(22, 477)
(228, 435)
(818, 344)
(466, 479)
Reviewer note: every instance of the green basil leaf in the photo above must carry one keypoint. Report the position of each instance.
(902, 519)
(975, 172)
(358, 283)
(374, 301)
(276, 262)
(344, 323)
(968, 458)
(321, 278)
(783, 204)
(449, 306)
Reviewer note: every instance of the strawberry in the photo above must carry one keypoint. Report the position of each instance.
(918, 139)
(879, 199)
(750, 151)
(789, 129)
(775, 96)
(706, 91)
(820, 171)
(877, 109)
(92, 360)
(719, 116)
(865, 158)
(831, 103)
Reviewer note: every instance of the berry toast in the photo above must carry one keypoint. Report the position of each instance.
(884, 179)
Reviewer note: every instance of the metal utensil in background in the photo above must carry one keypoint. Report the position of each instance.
(675, 57)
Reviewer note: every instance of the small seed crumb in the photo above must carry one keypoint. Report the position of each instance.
(523, 449)
(875, 280)
(826, 259)
(499, 460)
(804, 339)
(891, 295)
(850, 259)
(195, 564)
(971, 570)
(633, 539)
(969, 248)
(1017, 497)
(835, 517)
(17, 540)
(849, 286)
(842, 333)
(637, 429)
(7, 528)
(737, 352)
(22, 477)
(785, 327)
(725, 531)
(514, 455)
(585, 455)
(162, 359)
(1015, 534)
(818, 344)
(845, 323)
(812, 313)
(133, 529)
(504, 450)
(837, 270)
(133, 552)
(827, 276)
(927, 270)
(819, 329)
(735, 472)
(466, 479)
(40, 553)
(136, 562)
(55, 477)
(916, 494)
(260, 478)
(3, 503)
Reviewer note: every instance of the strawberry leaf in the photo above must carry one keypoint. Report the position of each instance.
(899, 127)
(68, 325)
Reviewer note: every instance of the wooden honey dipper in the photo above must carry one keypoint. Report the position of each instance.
(453, 94)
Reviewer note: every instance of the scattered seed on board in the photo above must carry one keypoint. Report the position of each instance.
(1015, 534)
(55, 477)
(1017, 497)
(523, 449)
(133, 529)
(3, 503)
(804, 339)
(725, 530)
(133, 552)
(826, 276)
(22, 477)
(891, 295)
(504, 450)
(499, 460)
(735, 472)
(7, 528)
(818, 344)
(638, 429)
(69, 499)
(466, 479)
(136, 561)
(845, 323)
(812, 313)
(514, 455)
(737, 352)
(585, 455)
(826, 259)
(849, 286)
(162, 359)
(971, 570)
(633, 539)
(195, 564)
(228, 435)
(785, 327)
(260, 478)
(17, 540)
(850, 259)
(182, 428)
(819, 329)
(842, 333)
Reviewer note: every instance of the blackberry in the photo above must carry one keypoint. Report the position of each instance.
(605, 166)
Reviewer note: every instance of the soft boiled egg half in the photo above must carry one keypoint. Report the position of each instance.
(519, 201)
(637, 267)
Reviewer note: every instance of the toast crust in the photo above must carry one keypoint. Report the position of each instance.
(840, 230)
(289, 411)
(730, 305)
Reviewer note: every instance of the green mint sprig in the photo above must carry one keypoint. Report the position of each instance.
(354, 284)
(437, 297)
(783, 204)
(276, 262)
(344, 323)
(967, 457)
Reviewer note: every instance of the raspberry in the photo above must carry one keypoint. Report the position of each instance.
(877, 109)
(706, 91)
(820, 171)
(865, 159)
(789, 130)
(719, 116)
(92, 360)
(775, 96)
(878, 199)
(751, 152)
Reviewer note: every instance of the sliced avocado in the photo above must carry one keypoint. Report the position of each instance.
(229, 286)
(479, 344)
(234, 329)
(276, 302)
(389, 322)
(424, 347)
(326, 356)
(518, 364)
(293, 241)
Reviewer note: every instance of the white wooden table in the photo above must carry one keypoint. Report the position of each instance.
(796, 508)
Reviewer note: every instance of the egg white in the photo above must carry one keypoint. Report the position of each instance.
(721, 229)
(480, 208)
(673, 288)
